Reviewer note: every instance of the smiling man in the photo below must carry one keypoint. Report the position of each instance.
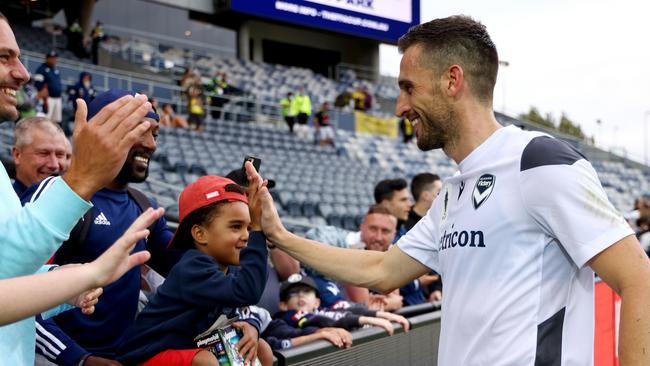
(40, 150)
(72, 337)
(516, 234)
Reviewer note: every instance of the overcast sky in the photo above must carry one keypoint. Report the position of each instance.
(590, 59)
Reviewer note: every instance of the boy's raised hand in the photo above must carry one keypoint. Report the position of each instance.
(255, 191)
(117, 260)
(270, 220)
(247, 345)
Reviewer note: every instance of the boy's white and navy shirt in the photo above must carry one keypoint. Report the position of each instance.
(511, 234)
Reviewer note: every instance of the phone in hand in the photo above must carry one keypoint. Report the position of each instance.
(256, 164)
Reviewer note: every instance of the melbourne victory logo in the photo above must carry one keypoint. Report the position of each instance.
(483, 189)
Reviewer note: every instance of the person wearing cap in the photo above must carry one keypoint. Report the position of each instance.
(29, 235)
(281, 264)
(72, 336)
(300, 310)
(222, 271)
(48, 83)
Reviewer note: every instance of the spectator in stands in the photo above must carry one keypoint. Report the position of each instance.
(301, 315)
(195, 107)
(343, 100)
(367, 99)
(28, 102)
(303, 106)
(211, 279)
(393, 194)
(169, 118)
(406, 128)
(359, 96)
(83, 89)
(39, 151)
(288, 109)
(71, 337)
(324, 129)
(527, 221)
(97, 36)
(217, 87)
(76, 40)
(29, 236)
(48, 83)
(425, 187)
(377, 232)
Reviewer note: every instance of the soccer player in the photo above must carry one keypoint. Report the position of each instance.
(515, 234)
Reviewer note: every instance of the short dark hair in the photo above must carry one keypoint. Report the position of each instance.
(458, 40)
(385, 189)
(422, 182)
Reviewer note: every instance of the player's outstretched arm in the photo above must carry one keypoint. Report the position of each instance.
(383, 271)
(30, 295)
(626, 269)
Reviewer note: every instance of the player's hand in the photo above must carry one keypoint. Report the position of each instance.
(102, 144)
(395, 319)
(247, 345)
(100, 361)
(117, 260)
(339, 337)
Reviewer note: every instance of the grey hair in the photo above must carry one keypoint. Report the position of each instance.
(22, 132)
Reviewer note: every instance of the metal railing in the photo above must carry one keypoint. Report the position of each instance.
(245, 108)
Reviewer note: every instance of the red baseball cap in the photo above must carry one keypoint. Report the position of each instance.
(202, 192)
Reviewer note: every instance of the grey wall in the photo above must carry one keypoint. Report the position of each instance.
(353, 50)
(164, 23)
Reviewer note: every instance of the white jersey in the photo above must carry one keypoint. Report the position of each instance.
(511, 234)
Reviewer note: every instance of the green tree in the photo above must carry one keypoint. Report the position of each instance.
(534, 116)
(570, 128)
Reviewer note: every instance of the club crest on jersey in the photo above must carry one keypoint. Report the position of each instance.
(483, 189)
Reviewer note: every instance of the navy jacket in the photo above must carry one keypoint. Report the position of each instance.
(192, 298)
(49, 76)
(66, 338)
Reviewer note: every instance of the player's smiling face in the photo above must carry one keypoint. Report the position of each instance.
(423, 102)
(12, 73)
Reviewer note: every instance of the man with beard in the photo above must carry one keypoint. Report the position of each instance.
(516, 234)
(72, 337)
(29, 235)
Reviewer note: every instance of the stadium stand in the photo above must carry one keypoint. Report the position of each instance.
(315, 185)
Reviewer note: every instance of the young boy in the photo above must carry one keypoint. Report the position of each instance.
(302, 320)
(215, 216)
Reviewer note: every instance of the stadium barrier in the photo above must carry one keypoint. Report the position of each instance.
(372, 346)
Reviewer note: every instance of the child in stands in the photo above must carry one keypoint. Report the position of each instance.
(223, 270)
(301, 318)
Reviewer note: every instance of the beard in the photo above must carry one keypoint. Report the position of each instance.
(129, 173)
(438, 127)
(8, 113)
